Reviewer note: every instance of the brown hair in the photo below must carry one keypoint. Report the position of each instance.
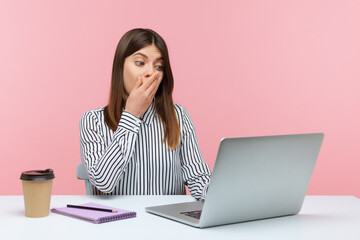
(131, 42)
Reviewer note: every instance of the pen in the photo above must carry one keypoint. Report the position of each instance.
(91, 208)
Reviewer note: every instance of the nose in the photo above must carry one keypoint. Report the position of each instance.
(149, 72)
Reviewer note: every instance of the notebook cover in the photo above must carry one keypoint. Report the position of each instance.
(94, 216)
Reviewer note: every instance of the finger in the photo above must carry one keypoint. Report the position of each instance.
(154, 92)
(138, 82)
(150, 80)
(154, 87)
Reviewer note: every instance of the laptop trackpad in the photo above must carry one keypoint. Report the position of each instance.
(177, 211)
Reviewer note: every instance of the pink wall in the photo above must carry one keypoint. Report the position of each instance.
(242, 68)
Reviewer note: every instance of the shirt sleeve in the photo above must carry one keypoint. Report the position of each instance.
(106, 165)
(195, 172)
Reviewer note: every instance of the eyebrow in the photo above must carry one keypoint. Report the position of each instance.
(139, 53)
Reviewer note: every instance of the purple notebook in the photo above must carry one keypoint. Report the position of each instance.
(94, 216)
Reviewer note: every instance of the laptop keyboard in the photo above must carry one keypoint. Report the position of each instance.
(194, 214)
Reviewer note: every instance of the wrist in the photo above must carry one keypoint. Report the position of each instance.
(138, 115)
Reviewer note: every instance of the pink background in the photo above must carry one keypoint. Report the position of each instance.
(241, 68)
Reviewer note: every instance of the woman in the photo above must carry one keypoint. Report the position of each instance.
(141, 142)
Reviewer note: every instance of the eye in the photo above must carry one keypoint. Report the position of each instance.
(139, 63)
(159, 68)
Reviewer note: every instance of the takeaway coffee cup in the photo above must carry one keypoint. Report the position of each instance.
(37, 186)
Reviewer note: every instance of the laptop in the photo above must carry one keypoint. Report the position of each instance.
(253, 178)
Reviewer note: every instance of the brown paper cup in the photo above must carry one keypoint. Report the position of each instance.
(37, 186)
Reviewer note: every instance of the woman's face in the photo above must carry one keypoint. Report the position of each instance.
(144, 62)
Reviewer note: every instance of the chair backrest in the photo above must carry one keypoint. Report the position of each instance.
(82, 174)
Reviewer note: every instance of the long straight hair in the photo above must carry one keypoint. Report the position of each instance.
(131, 42)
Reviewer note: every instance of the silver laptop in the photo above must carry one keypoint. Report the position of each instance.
(253, 178)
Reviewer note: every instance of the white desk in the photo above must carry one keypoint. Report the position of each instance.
(322, 217)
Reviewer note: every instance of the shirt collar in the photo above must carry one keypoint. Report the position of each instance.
(148, 116)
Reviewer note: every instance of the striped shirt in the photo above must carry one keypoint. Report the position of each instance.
(134, 159)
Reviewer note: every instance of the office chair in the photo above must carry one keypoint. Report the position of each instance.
(81, 174)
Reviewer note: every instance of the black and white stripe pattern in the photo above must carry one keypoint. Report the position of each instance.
(135, 160)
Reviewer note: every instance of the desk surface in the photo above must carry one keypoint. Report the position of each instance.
(322, 217)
